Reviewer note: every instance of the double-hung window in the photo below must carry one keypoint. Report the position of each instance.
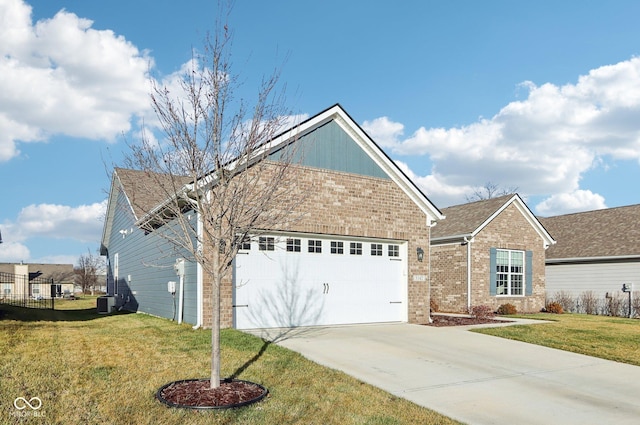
(509, 272)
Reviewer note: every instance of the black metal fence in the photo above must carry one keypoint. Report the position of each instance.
(19, 290)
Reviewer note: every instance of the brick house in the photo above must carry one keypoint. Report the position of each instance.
(489, 252)
(351, 258)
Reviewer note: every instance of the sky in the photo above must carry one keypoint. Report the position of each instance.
(540, 96)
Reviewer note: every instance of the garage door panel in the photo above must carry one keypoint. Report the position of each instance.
(281, 289)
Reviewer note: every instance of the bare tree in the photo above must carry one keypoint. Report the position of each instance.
(216, 159)
(86, 273)
(490, 190)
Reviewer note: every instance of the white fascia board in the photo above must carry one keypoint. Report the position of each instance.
(111, 208)
(451, 239)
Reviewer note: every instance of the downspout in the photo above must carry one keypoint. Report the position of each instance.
(468, 243)
(199, 278)
(431, 224)
(181, 299)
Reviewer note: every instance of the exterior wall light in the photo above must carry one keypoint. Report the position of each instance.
(420, 253)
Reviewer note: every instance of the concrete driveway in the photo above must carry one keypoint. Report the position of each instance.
(474, 378)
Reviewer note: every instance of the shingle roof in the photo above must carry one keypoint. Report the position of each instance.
(464, 219)
(141, 188)
(610, 232)
(60, 273)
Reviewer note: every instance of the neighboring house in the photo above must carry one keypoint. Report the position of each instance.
(36, 280)
(352, 258)
(489, 252)
(597, 251)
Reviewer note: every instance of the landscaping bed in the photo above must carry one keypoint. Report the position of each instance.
(440, 320)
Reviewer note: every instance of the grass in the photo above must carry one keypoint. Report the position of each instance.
(611, 338)
(94, 369)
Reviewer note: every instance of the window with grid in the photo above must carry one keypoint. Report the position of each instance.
(266, 243)
(394, 250)
(376, 249)
(245, 245)
(355, 248)
(509, 272)
(293, 245)
(315, 246)
(337, 247)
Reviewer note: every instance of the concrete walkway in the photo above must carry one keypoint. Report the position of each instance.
(474, 378)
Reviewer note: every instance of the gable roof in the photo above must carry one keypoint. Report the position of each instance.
(136, 186)
(337, 114)
(145, 203)
(608, 233)
(467, 220)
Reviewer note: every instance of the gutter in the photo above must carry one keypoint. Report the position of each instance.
(612, 259)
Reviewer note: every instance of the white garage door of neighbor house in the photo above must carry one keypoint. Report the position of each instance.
(282, 281)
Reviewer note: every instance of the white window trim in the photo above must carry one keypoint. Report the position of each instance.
(510, 274)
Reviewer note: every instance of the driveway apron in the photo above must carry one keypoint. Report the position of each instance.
(474, 378)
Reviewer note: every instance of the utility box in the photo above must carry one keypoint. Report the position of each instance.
(105, 305)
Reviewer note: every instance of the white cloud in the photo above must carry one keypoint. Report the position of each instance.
(82, 223)
(543, 144)
(385, 132)
(436, 188)
(61, 76)
(565, 203)
(13, 252)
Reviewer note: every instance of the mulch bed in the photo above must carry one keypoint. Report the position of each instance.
(197, 394)
(440, 321)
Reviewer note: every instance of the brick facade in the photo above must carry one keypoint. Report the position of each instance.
(509, 230)
(449, 277)
(347, 204)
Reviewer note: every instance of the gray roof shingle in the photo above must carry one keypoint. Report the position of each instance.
(142, 190)
(464, 219)
(609, 232)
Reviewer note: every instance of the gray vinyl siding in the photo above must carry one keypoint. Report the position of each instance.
(329, 147)
(148, 260)
(597, 277)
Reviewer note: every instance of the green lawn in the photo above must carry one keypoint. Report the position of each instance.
(611, 338)
(94, 369)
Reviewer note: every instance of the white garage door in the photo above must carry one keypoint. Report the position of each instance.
(282, 281)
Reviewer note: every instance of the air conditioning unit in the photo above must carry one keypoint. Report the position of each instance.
(105, 304)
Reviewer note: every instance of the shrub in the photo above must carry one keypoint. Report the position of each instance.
(589, 302)
(433, 305)
(615, 305)
(554, 307)
(506, 309)
(481, 311)
(566, 300)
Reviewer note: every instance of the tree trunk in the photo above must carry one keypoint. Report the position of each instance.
(215, 313)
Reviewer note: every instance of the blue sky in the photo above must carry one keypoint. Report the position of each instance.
(543, 96)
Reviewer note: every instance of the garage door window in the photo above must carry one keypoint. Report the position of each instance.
(394, 251)
(245, 244)
(293, 245)
(266, 244)
(315, 246)
(337, 247)
(376, 249)
(355, 248)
